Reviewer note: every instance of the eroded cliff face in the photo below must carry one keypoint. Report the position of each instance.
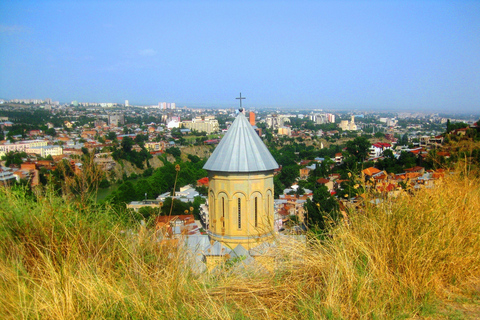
(199, 151)
(124, 167)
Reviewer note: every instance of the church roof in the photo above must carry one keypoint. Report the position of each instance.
(241, 150)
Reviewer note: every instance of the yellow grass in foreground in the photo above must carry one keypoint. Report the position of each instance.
(416, 256)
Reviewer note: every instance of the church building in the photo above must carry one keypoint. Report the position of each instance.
(240, 195)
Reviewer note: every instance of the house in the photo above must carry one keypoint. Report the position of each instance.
(304, 172)
(416, 169)
(338, 158)
(137, 205)
(327, 183)
(6, 176)
(371, 172)
(377, 149)
(203, 182)
(176, 226)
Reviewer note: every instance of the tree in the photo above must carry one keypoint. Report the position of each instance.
(407, 160)
(388, 154)
(14, 158)
(174, 151)
(278, 186)
(112, 136)
(51, 132)
(140, 139)
(322, 209)
(289, 174)
(147, 213)
(358, 148)
(127, 144)
(403, 140)
(193, 158)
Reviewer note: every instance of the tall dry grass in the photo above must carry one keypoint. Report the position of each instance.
(412, 256)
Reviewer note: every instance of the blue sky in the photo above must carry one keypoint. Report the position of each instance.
(395, 55)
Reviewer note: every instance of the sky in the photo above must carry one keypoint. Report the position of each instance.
(379, 55)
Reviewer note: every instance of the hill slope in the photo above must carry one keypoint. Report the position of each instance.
(415, 256)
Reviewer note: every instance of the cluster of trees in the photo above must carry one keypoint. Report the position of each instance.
(455, 126)
(323, 210)
(162, 180)
(34, 119)
(138, 158)
(14, 158)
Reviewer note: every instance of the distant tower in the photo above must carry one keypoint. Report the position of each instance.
(240, 195)
(126, 103)
(252, 118)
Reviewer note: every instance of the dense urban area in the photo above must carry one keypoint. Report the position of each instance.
(132, 154)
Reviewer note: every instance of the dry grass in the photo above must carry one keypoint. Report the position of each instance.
(416, 256)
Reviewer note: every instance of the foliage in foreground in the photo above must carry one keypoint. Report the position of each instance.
(417, 256)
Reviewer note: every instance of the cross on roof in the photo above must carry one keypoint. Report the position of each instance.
(240, 98)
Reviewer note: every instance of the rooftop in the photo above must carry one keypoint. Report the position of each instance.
(241, 150)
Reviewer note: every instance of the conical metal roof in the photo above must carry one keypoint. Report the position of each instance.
(241, 150)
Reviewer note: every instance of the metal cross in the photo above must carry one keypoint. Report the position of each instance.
(240, 98)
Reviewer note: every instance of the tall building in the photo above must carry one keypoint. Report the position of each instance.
(116, 120)
(252, 118)
(126, 103)
(240, 196)
(206, 124)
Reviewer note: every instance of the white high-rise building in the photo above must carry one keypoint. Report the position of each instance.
(126, 103)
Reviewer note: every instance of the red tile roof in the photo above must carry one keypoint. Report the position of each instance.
(323, 180)
(371, 171)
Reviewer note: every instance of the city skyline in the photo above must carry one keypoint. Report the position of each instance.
(339, 55)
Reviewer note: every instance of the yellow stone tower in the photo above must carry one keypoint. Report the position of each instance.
(240, 195)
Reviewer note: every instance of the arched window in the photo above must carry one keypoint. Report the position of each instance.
(239, 213)
(268, 205)
(256, 212)
(211, 208)
(223, 211)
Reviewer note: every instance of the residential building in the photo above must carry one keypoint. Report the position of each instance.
(202, 124)
(22, 146)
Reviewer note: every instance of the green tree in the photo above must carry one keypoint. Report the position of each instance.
(112, 136)
(147, 213)
(51, 132)
(127, 144)
(289, 174)
(407, 160)
(322, 210)
(278, 186)
(358, 148)
(15, 158)
(140, 139)
(174, 151)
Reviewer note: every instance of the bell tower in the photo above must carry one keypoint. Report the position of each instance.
(240, 195)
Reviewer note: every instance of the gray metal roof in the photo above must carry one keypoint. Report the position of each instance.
(241, 150)
(217, 249)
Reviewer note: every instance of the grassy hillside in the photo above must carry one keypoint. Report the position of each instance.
(413, 257)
